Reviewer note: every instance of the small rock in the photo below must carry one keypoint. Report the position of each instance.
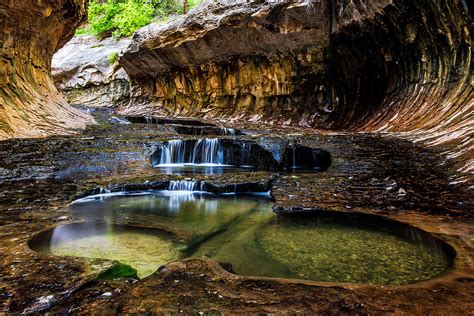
(402, 192)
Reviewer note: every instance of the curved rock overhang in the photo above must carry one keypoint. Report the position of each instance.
(30, 32)
(407, 69)
(380, 65)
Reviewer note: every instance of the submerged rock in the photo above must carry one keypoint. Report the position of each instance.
(85, 70)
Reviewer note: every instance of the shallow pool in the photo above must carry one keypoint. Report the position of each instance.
(244, 232)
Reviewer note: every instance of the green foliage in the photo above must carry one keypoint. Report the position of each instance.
(83, 31)
(119, 270)
(112, 58)
(120, 18)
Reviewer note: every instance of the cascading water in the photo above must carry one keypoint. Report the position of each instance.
(202, 153)
(172, 152)
(228, 131)
(185, 185)
(246, 150)
(209, 150)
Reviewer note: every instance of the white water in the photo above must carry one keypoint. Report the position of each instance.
(185, 185)
(206, 152)
(246, 150)
(228, 131)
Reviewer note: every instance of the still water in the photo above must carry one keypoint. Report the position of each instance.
(243, 231)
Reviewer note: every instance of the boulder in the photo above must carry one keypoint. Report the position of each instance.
(86, 72)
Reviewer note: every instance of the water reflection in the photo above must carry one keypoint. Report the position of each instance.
(244, 232)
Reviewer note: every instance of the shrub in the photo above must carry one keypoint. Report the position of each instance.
(118, 18)
(123, 17)
(112, 58)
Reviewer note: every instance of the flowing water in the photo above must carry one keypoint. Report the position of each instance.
(206, 156)
(243, 231)
(206, 151)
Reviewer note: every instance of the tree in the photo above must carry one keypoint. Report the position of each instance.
(185, 6)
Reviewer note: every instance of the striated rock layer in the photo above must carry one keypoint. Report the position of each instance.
(30, 32)
(407, 70)
(380, 65)
(258, 60)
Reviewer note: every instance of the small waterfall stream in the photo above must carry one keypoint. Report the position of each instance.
(246, 150)
(205, 151)
(210, 150)
(228, 131)
(173, 152)
(185, 185)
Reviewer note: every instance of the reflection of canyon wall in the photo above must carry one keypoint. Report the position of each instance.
(31, 31)
(388, 65)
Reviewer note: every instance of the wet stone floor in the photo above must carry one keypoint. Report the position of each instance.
(375, 227)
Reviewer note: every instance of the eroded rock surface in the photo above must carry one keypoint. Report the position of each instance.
(232, 60)
(30, 32)
(86, 72)
(384, 65)
(370, 174)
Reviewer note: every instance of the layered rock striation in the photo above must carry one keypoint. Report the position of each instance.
(407, 69)
(380, 65)
(251, 59)
(30, 33)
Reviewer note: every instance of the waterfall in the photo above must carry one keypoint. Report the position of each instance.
(205, 151)
(227, 131)
(184, 185)
(246, 149)
(173, 152)
(210, 150)
(104, 191)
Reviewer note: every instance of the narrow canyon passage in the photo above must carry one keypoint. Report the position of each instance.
(245, 157)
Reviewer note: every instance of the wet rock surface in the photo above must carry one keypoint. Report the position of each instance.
(86, 72)
(373, 174)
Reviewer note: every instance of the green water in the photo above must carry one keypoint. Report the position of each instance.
(244, 232)
(143, 252)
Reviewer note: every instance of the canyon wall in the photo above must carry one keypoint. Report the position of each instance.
(407, 70)
(85, 70)
(253, 60)
(399, 66)
(30, 32)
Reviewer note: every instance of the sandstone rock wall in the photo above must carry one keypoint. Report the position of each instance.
(364, 65)
(245, 60)
(409, 70)
(83, 73)
(30, 32)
